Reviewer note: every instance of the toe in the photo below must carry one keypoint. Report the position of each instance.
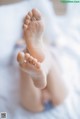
(30, 60)
(36, 14)
(27, 55)
(25, 26)
(27, 22)
(28, 17)
(30, 14)
(20, 57)
(34, 61)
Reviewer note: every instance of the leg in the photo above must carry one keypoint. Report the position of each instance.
(56, 85)
(30, 95)
(33, 35)
(33, 30)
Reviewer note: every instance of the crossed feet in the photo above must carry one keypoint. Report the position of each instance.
(33, 29)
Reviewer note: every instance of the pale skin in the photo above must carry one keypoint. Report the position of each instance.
(41, 78)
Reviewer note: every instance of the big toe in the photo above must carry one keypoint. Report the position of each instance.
(20, 57)
(36, 14)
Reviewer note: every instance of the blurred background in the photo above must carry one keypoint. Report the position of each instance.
(62, 31)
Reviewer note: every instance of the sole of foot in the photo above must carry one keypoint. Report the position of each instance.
(33, 29)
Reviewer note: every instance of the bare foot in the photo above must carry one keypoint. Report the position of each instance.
(33, 34)
(33, 67)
